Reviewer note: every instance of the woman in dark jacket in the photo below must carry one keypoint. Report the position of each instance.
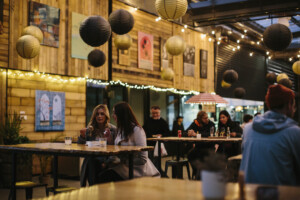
(229, 149)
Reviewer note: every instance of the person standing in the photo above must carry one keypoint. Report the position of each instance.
(271, 144)
(156, 125)
(177, 125)
(247, 119)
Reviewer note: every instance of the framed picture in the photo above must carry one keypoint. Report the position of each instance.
(189, 61)
(203, 63)
(145, 51)
(79, 49)
(49, 111)
(47, 19)
(124, 57)
(164, 56)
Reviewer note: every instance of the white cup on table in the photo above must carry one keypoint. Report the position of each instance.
(68, 140)
(103, 142)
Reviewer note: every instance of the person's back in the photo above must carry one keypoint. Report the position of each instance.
(271, 149)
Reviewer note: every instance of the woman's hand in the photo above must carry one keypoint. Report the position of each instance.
(191, 133)
(107, 134)
(233, 134)
(82, 132)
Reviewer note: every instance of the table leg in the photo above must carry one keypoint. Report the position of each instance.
(55, 179)
(14, 171)
(159, 157)
(178, 151)
(130, 155)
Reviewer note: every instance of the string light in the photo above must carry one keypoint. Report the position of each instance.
(185, 26)
(251, 54)
(269, 57)
(135, 9)
(182, 30)
(245, 31)
(238, 47)
(61, 79)
(233, 49)
(242, 36)
(218, 42)
(267, 53)
(157, 19)
(238, 41)
(257, 42)
(290, 59)
(213, 32)
(209, 39)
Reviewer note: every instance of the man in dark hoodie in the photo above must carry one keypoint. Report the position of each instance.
(271, 144)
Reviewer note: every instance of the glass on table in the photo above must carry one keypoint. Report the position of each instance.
(68, 140)
(103, 142)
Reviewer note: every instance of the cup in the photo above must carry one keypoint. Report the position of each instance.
(89, 143)
(213, 185)
(68, 140)
(102, 142)
(199, 136)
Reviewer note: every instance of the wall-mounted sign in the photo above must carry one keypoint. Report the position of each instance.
(49, 111)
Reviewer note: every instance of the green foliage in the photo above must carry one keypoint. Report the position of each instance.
(9, 130)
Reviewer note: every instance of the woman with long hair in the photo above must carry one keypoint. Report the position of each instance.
(225, 122)
(129, 133)
(98, 127)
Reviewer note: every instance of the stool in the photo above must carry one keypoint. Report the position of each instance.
(177, 167)
(28, 186)
(59, 189)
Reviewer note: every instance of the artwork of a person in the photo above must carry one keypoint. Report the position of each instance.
(44, 108)
(146, 48)
(57, 108)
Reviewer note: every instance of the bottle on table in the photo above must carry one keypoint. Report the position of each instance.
(198, 135)
(212, 131)
(228, 133)
(217, 133)
(179, 133)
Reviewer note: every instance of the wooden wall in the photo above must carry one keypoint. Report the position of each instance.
(4, 35)
(21, 97)
(51, 59)
(146, 23)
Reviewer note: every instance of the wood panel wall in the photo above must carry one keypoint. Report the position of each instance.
(4, 35)
(146, 23)
(51, 59)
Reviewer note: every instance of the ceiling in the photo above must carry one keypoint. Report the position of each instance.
(235, 19)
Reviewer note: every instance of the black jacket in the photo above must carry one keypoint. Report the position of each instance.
(156, 126)
(177, 127)
(204, 130)
(234, 127)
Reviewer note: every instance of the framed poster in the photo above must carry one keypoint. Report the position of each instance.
(164, 56)
(79, 49)
(145, 51)
(47, 19)
(49, 111)
(189, 61)
(124, 57)
(203, 63)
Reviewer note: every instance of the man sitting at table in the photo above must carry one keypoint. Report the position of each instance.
(202, 125)
(271, 144)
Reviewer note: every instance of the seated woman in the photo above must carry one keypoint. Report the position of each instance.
(202, 125)
(129, 133)
(225, 122)
(98, 127)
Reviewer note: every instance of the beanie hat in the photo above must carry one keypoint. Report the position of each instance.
(278, 95)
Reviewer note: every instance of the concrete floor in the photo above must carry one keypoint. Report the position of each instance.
(40, 191)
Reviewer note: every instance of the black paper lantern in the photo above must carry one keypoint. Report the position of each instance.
(96, 58)
(230, 76)
(286, 82)
(277, 37)
(239, 92)
(121, 21)
(271, 78)
(95, 31)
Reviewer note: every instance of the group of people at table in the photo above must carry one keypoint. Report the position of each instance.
(270, 146)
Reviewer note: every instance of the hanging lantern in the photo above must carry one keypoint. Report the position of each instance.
(123, 42)
(167, 73)
(296, 67)
(95, 30)
(239, 92)
(286, 82)
(230, 76)
(271, 78)
(225, 84)
(171, 9)
(28, 46)
(96, 58)
(281, 76)
(121, 21)
(34, 31)
(277, 37)
(175, 45)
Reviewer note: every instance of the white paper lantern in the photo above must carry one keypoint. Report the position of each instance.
(34, 31)
(282, 76)
(296, 67)
(123, 42)
(171, 9)
(28, 46)
(167, 73)
(175, 45)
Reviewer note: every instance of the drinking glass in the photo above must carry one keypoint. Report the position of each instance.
(103, 142)
(68, 140)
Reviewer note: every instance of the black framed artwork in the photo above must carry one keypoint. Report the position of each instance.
(203, 63)
(189, 61)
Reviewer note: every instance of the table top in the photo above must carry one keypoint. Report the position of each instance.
(74, 148)
(192, 139)
(162, 189)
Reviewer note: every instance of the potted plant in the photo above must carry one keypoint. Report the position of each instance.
(213, 176)
(9, 135)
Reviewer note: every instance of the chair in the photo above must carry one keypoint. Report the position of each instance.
(233, 166)
(60, 189)
(177, 168)
(28, 186)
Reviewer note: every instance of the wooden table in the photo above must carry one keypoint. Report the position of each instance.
(179, 140)
(60, 149)
(162, 189)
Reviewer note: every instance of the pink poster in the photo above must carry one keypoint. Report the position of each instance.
(145, 48)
